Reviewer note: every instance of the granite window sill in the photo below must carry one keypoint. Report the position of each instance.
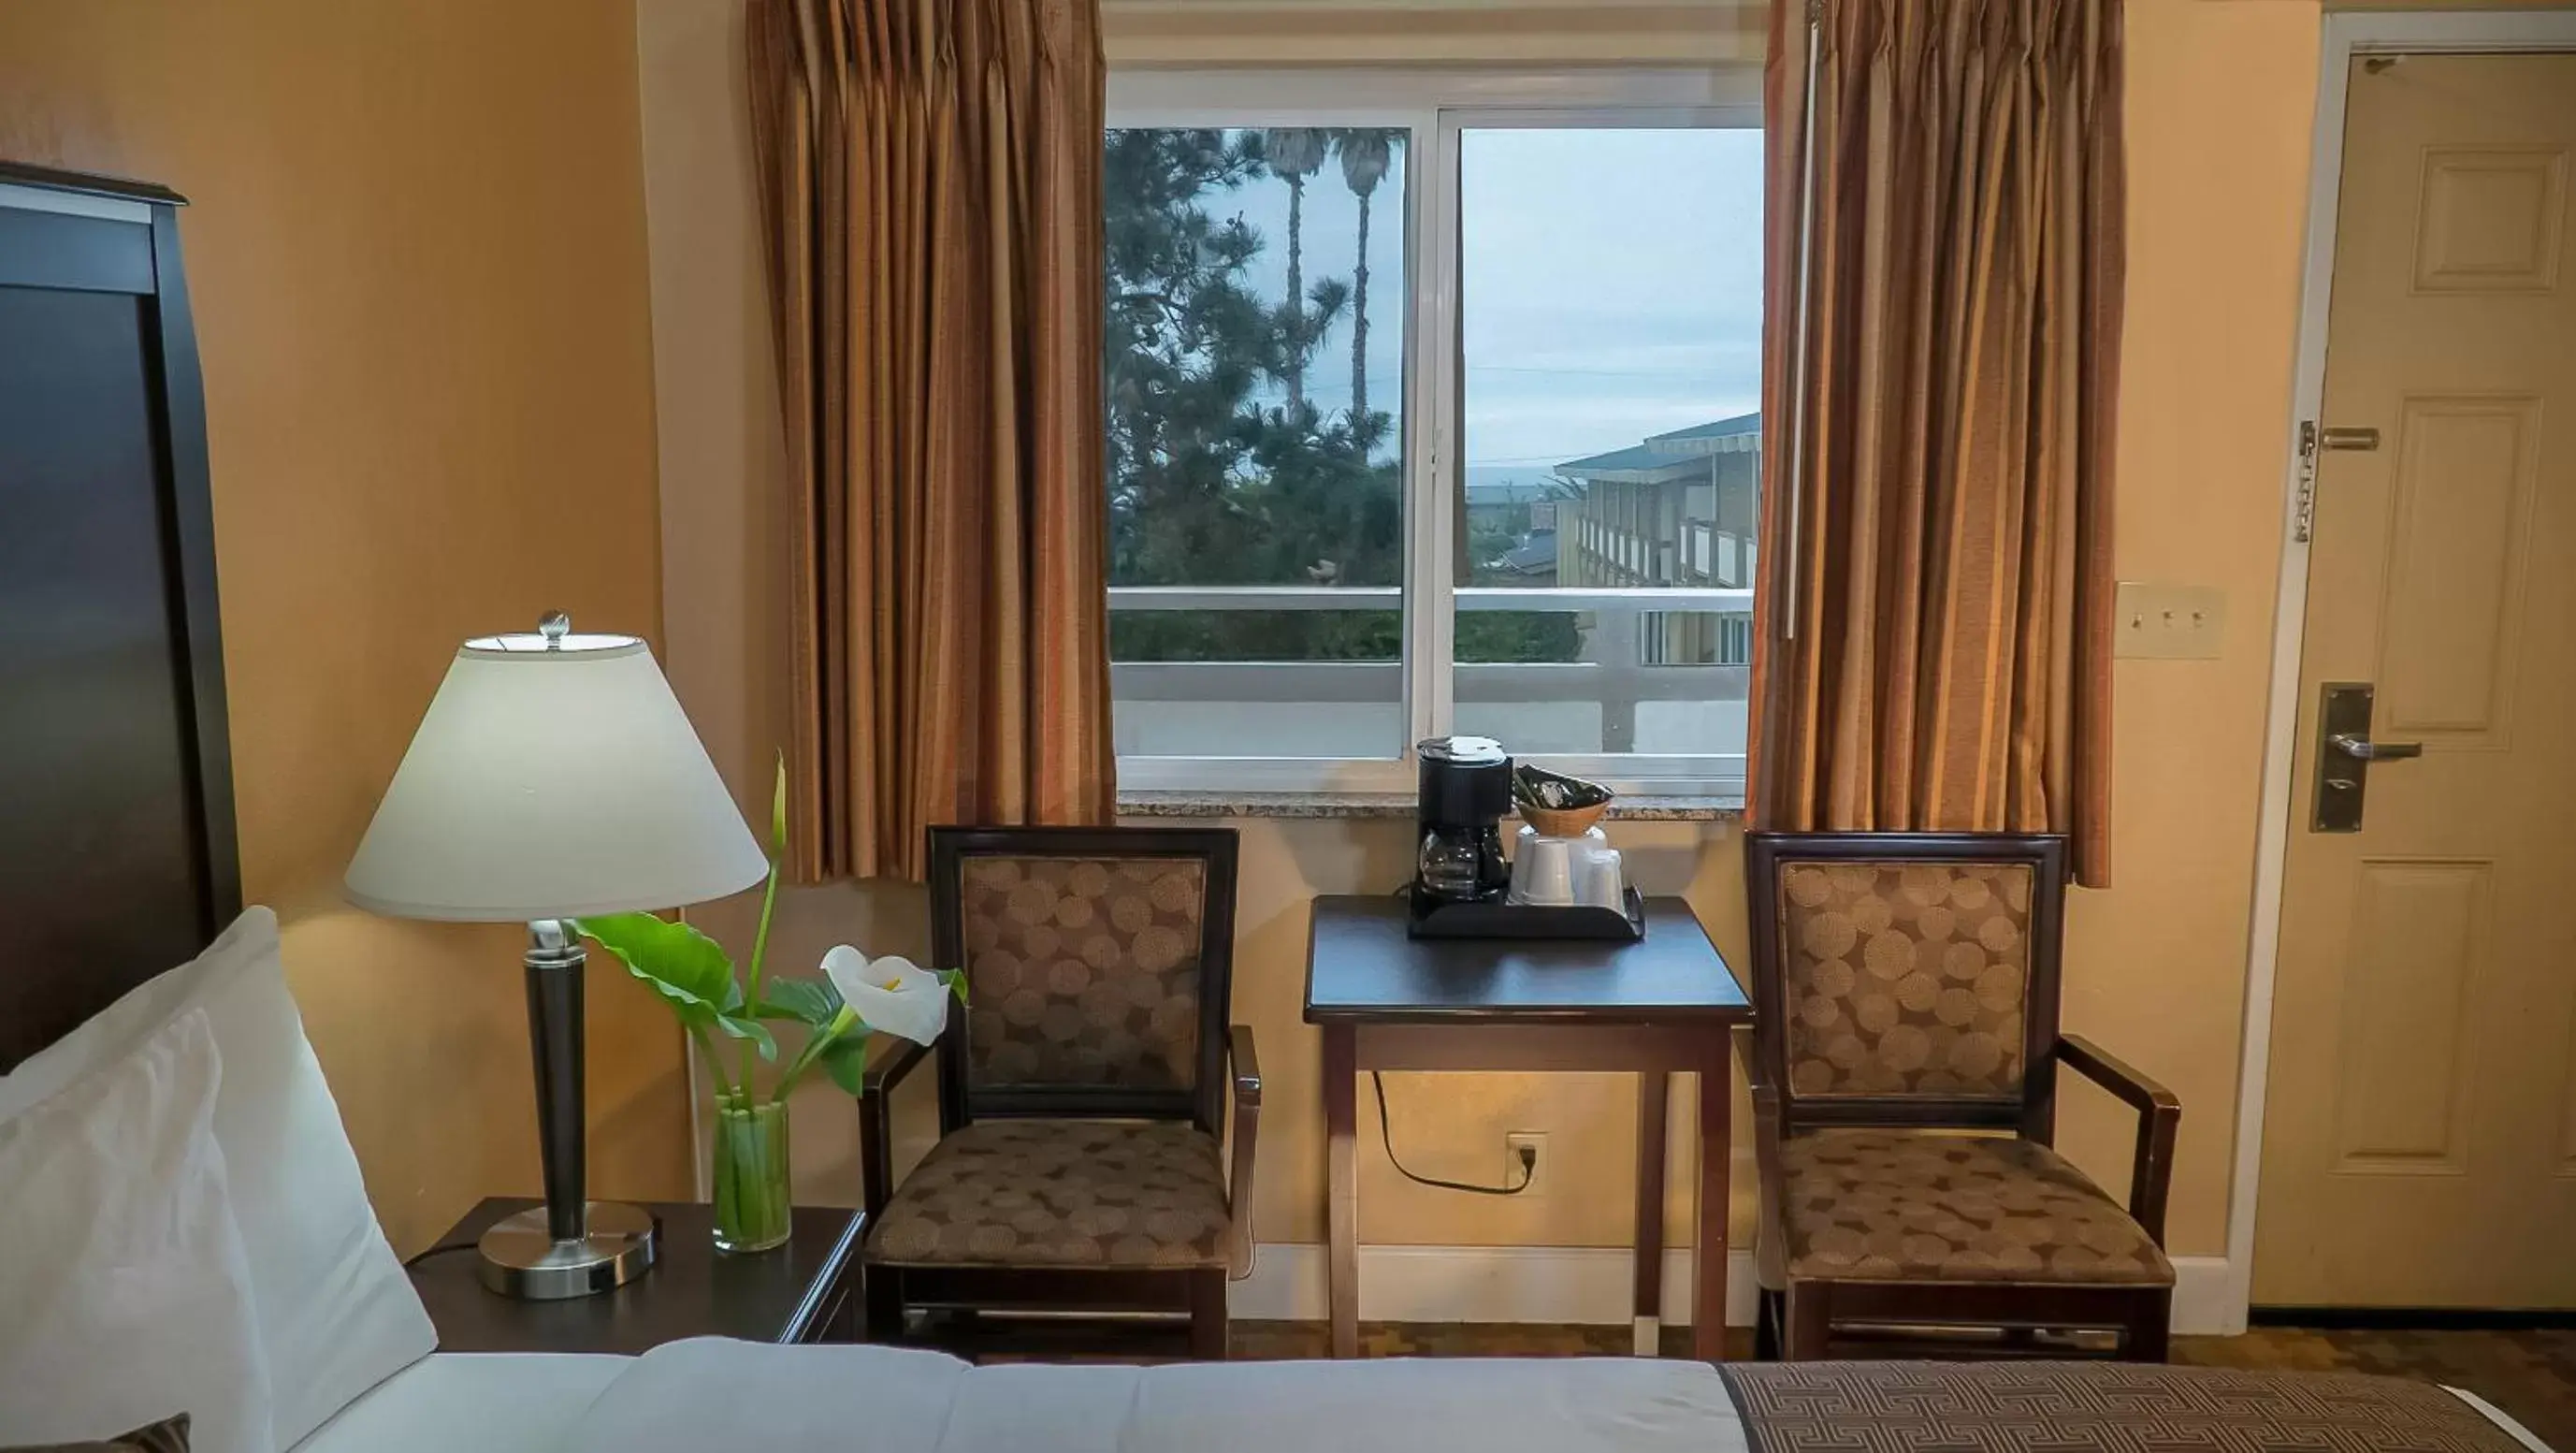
(1387, 804)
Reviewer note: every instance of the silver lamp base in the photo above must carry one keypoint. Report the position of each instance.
(521, 1257)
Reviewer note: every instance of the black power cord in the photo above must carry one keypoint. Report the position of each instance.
(1386, 1133)
(442, 1249)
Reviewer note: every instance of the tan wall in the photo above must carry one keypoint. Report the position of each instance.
(2219, 97)
(2334, 5)
(417, 254)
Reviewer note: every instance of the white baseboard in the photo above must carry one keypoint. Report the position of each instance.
(2205, 1302)
(1578, 1284)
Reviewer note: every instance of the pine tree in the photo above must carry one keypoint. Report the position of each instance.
(1207, 486)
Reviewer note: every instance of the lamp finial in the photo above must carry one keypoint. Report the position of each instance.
(554, 625)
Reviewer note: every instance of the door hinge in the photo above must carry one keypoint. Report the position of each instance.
(2303, 508)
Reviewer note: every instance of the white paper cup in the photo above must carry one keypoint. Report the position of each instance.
(1544, 873)
(1597, 879)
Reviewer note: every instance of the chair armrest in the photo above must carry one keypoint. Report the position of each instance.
(1247, 1067)
(2114, 1074)
(2159, 1113)
(876, 1122)
(886, 1073)
(1247, 1129)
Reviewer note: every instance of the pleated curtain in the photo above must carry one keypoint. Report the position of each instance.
(931, 177)
(1941, 374)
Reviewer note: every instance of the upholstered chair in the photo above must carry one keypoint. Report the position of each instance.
(1904, 1068)
(1083, 1086)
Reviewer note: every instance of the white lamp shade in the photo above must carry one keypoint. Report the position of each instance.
(549, 783)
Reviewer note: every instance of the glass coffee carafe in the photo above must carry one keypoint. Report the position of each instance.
(1452, 865)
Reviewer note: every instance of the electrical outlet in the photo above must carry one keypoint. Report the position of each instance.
(1534, 1142)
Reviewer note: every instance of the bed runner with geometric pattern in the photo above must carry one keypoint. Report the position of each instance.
(2096, 1407)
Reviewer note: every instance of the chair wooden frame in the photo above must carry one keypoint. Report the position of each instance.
(1799, 1317)
(1228, 1075)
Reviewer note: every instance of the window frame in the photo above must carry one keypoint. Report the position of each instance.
(1435, 107)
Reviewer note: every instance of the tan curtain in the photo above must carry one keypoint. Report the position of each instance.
(1934, 612)
(931, 178)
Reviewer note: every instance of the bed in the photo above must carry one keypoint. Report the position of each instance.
(485, 1402)
(188, 1228)
(895, 1400)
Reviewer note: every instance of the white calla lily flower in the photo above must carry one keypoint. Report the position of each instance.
(892, 994)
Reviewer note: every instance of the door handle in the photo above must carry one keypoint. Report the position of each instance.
(2361, 748)
(2345, 752)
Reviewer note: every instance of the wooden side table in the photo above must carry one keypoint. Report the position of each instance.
(1666, 1004)
(804, 1291)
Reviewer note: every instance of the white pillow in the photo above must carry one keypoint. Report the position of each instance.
(127, 1292)
(336, 1313)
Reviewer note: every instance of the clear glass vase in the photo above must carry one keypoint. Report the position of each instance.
(750, 1174)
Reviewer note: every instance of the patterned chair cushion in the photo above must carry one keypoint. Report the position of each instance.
(1060, 1193)
(1083, 971)
(1911, 1205)
(1906, 978)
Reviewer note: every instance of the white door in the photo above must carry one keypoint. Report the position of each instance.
(2420, 1132)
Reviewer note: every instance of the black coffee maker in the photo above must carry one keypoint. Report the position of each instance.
(1466, 789)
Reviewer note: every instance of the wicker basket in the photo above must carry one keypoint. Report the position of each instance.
(1563, 821)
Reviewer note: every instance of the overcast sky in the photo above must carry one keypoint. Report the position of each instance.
(1612, 284)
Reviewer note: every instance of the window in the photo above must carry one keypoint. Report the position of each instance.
(1431, 407)
(1256, 370)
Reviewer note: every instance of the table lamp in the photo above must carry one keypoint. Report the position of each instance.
(554, 776)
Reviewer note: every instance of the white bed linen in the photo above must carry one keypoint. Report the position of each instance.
(2496, 1415)
(891, 1400)
(858, 1399)
(473, 1402)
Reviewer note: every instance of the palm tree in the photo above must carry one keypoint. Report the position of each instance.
(1366, 154)
(1295, 153)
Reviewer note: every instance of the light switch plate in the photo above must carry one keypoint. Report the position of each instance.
(2168, 622)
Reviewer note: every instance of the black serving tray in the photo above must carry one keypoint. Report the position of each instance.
(1430, 918)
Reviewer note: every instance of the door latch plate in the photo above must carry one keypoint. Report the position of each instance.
(2343, 708)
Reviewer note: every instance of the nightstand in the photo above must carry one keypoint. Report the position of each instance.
(804, 1291)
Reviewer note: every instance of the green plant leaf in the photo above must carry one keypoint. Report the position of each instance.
(753, 1030)
(688, 969)
(811, 1002)
(955, 979)
(823, 1037)
(846, 1061)
(778, 812)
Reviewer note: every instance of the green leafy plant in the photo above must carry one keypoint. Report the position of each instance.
(857, 995)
